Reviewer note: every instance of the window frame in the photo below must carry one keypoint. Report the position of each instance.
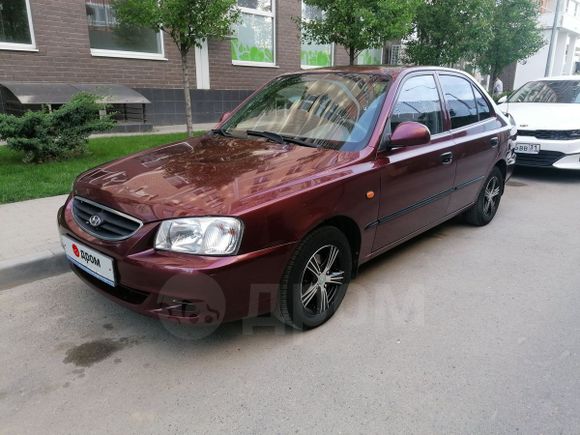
(398, 48)
(445, 124)
(492, 113)
(475, 92)
(308, 67)
(272, 15)
(448, 106)
(127, 54)
(16, 46)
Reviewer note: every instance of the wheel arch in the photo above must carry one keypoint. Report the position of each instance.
(352, 232)
(502, 166)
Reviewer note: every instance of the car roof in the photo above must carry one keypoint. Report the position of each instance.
(573, 78)
(392, 71)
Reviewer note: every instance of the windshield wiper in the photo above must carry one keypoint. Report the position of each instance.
(278, 138)
(222, 132)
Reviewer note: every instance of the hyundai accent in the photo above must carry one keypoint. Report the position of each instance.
(275, 209)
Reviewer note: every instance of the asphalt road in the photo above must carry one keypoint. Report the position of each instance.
(463, 330)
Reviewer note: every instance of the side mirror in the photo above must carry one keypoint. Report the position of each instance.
(225, 116)
(502, 99)
(409, 134)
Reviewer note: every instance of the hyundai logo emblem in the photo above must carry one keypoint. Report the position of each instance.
(95, 220)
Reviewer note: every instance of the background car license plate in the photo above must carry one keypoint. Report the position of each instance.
(528, 148)
(93, 262)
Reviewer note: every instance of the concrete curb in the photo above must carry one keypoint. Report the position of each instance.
(27, 269)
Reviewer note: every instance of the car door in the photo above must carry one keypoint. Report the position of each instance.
(477, 133)
(416, 182)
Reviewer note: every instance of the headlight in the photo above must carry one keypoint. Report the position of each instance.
(200, 236)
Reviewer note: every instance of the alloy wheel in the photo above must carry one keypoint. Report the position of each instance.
(492, 192)
(321, 280)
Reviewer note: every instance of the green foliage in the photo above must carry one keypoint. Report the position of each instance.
(496, 98)
(60, 134)
(20, 181)
(450, 31)
(359, 24)
(515, 36)
(188, 22)
(491, 34)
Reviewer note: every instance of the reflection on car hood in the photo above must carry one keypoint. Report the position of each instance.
(544, 116)
(208, 176)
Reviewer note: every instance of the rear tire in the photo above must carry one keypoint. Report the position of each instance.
(316, 279)
(487, 204)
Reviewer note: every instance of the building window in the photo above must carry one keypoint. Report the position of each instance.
(395, 55)
(16, 25)
(370, 56)
(314, 55)
(254, 41)
(111, 39)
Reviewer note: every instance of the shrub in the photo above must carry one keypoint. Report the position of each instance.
(57, 135)
(496, 98)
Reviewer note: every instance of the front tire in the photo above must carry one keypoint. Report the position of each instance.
(316, 279)
(487, 204)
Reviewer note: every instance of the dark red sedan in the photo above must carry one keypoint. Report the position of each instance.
(275, 210)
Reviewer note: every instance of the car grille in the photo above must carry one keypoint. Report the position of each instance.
(543, 158)
(551, 134)
(110, 225)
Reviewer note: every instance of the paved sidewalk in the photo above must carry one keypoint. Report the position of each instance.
(163, 129)
(30, 246)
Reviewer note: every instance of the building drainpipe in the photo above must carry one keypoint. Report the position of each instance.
(553, 39)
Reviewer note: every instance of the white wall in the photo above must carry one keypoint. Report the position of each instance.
(534, 67)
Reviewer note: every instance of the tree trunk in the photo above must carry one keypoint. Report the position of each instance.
(351, 55)
(186, 93)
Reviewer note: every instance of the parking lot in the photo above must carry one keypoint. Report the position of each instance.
(464, 330)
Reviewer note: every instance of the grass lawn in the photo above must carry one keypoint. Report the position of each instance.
(19, 181)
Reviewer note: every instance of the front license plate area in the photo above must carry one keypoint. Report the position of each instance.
(91, 261)
(527, 148)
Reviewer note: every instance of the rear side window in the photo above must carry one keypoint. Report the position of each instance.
(483, 108)
(419, 102)
(460, 101)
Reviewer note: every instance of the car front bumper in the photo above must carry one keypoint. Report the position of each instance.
(184, 288)
(561, 154)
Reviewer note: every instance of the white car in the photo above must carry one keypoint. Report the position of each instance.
(547, 113)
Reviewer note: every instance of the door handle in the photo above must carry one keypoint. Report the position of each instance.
(494, 141)
(447, 158)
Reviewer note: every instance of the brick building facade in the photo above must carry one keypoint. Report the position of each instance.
(79, 42)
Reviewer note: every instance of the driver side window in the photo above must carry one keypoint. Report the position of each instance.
(419, 102)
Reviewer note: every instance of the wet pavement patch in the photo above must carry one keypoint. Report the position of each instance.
(87, 354)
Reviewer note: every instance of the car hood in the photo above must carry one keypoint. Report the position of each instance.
(544, 116)
(208, 176)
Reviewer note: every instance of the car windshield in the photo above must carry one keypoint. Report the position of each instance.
(323, 110)
(548, 91)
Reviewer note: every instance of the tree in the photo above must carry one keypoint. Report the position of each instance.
(516, 35)
(450, 31)
(358, 24)
(187, 22)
